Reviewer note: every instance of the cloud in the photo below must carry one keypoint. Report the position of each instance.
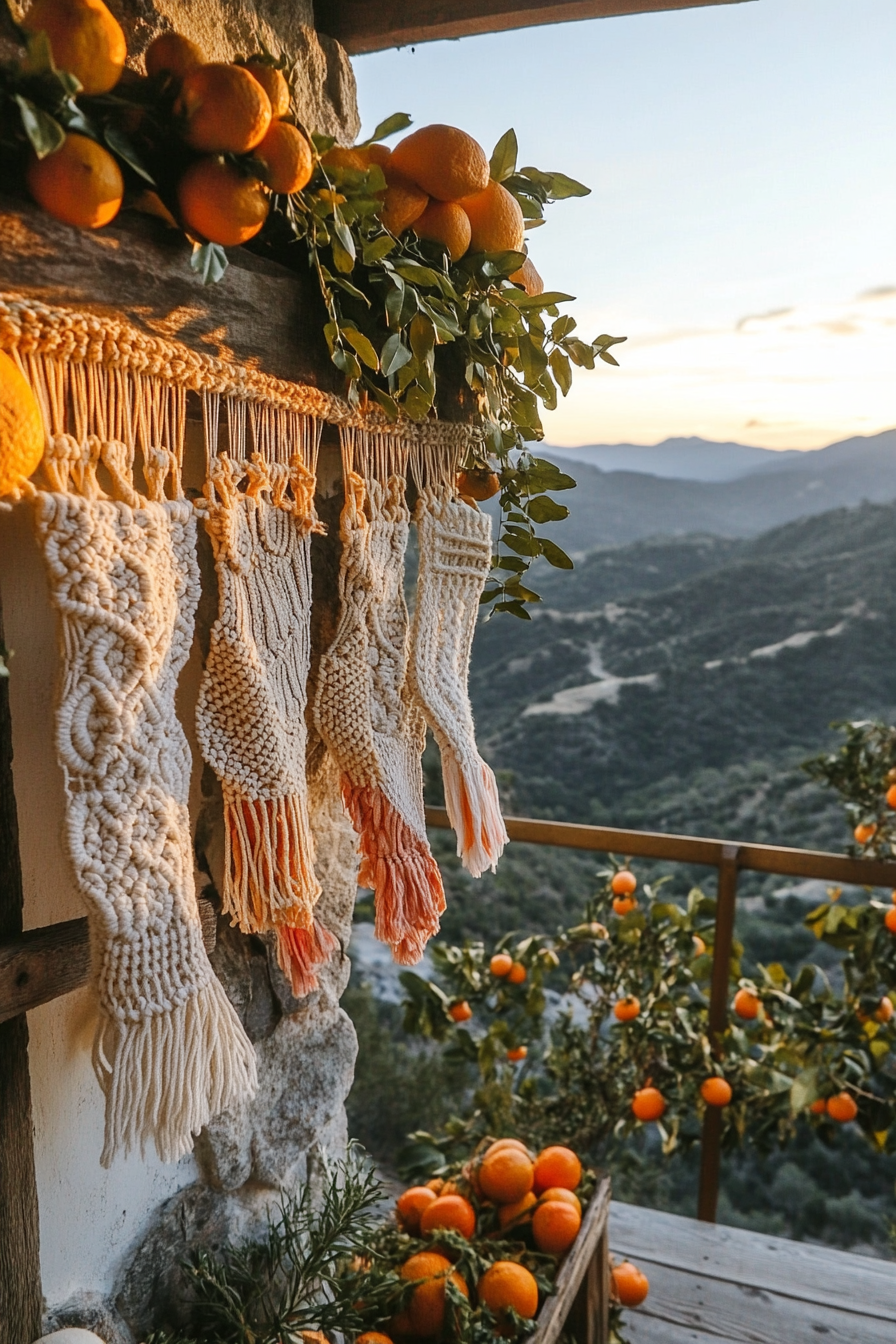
(880, 292)
(762, 317)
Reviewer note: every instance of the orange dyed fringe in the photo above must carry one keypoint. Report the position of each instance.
(301, 953)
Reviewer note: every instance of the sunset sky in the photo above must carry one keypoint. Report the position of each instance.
(742, 225)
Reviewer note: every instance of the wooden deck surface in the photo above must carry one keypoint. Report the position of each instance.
(720, 1285)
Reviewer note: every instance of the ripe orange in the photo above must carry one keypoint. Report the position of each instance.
(506, 1284)
(274, 85)
(819, 1106)
(558, 1193)
(555, 1226)
(451, 1211)
(556, 1166)
(890, 919)
(648, 1103)
(370, 1337)
(507, 1143)
(885, 1009)
(631, 1285)
(478, 483)
(21, 427)
(893, 897)
(444, 161)
(224, 110)
(172, 54)
(891, 796)
(716, 1091)
(80, 183)
(460, 1012)
(436, 1184)
(623, 905)
(403, 203)
(376, 153)
(444, 222)
(517, 1053)
(86, 40)
(219, 203)
(506, 1175)
(624, 883)
(343, 156)
(287, 158)
(528, 277)
(517, 973)
(518, 1211)
(864, 832)
(746, 1004)
(627, 1009)
(410, 1206)
(496, 220)
(842, 1108)
(500, 964)
(699, 945)
(426, 1308)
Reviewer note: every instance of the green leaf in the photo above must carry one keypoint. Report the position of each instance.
(399, 121)
(515, 608)
(803, 1090)
(608, 358)
(561, 370)
(544, 475)
(377, 248)
(503, 160)
(554, 555)
(395, 355)
(524, 301)
(43, 131)
(423, 336)
(417, 402)
(543, 509)
(346, 362)
(343, 261)
(558, 186)
(119, 144)
(362, 346)
(209, 261)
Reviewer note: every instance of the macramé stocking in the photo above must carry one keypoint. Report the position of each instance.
(369, 722)
(169, 1051)
(455, 557)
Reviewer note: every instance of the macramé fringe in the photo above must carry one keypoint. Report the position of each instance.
(167, 1075)
(398, 867)
(474, 810)
(301, 953)
(269, 862)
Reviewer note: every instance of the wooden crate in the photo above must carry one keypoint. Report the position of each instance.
(581, 1299)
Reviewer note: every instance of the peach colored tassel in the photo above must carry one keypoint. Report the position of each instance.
(301, 953)
(269, 860)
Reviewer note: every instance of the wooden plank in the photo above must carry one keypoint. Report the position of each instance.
(756, 1262)
(20, 1286)
(711, 1138)
(553, 1315)
(642, 1328)
(778, 859)
(363, 27)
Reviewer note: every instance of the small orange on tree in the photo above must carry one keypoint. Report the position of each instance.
(517, 973)
(172, 54)
(842, 1108)
(716, 1091)
(623, 883)
(444, 222)
(496, 220)
(223, 109)
(87, 41)
(220, 203)
(478, 483)
(501, 964)
(460, 1012)
(884, 1010)
(623, 905)
(648, 1104)
(79, 183)
(274, 84)
(890, 919)
(627, 1009)
(287, 158)
(517, 1053)
(746, 1004)
(865, 831)
(443, 161)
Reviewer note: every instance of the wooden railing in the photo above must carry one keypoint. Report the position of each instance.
(728, 858)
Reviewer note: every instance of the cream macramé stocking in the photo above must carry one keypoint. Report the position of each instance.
(369, 722)
(455, 557)
(251, 712)
(169, 1051)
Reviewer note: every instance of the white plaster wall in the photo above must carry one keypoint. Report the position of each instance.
(88, 1216)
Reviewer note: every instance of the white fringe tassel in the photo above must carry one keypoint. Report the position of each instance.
(474, 810)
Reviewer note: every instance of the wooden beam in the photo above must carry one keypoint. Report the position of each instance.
(374, 25)
(20, 1287)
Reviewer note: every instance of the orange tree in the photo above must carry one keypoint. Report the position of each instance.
(863, 771)
(806, 1041)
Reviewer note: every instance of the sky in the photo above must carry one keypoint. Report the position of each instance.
(741, 230)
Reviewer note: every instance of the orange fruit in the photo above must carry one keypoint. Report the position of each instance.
(449, 1211)
(86, 40)
(559, 1194)
(341, 156)
(842, 1108)
(436, 1184)
(460, 1012)
(556, 1166)
(500, 964)
(274, 85)
(376, 153)
(219, 203)
(864, 832)
(172, 54)
(403, 203)
(699, 945)
(528, 278)
(891, 796)
(80, 183)
(426, 1308)
(890, 919)
(224, 110)
(630, 1283)
(885, 1010)
(648, 1103)
(623, 905)
(716, 1091)
(517, 1211)
(819, 1106)
(446, 223)
(555, 1226)
(505, 1284)
(623, 883)
(370, 1337)
(517, 973)
(496, 220)
(517, 1053)
(21, 427)
(506, 1175)
(507, 1143)
(478, 483)
(442, 160)
(627, 1009)
(287, 158)
(893, 897)
(746, 1004)
(411, 1205)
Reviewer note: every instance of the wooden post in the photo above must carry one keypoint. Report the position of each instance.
(20, 1290)
(711, 1140)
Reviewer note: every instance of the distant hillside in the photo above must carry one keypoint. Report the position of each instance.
(689, 459)
(611, 508)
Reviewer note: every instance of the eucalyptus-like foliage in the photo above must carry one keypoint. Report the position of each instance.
(863, 770)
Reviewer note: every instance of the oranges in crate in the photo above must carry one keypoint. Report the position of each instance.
(425, 1313)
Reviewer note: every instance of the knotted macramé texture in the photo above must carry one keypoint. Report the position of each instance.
(455, 558)
(169, 1051)
(372, 726)
(250, 716)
